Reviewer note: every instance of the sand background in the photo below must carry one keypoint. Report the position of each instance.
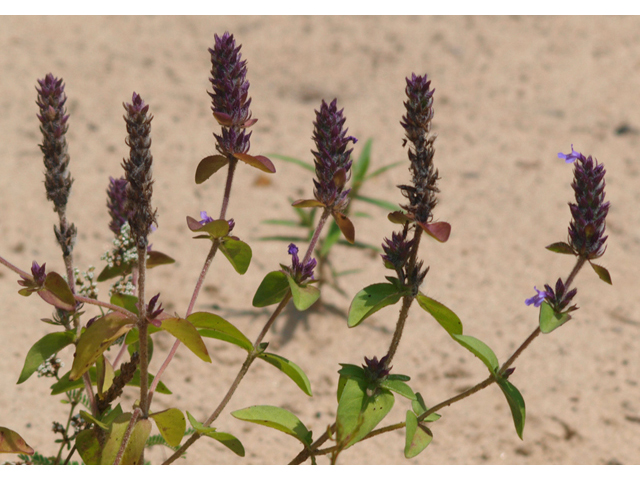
(511, 92)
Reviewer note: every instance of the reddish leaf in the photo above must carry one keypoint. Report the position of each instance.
(249, 123)
(340, 177)
(345, 225)
(259, 161)
(439, 230)
(208, 166)
(223, 118)
(307, 204)
(57, 292)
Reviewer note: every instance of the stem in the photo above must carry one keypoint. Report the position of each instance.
(66, 429)
(143, 333)
(194, 297)
(316, 235)
(110, 306)
(11, 266)
(227, 189)
(127, 435)
(579, 264)
(407, 300)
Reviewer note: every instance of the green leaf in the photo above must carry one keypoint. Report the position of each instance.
(383, 169)
(214, 326)
(295, 161)
(161, 388)
(561, 247)
(88, 447)
(275, 417)
(361, 165)
(310, 203)
(56, 292)
(215, 229)
(186, 332)
(290, 369)
(128, 302)
(228, 440)
(155, 259)
(41, 350)
(12, 442)
(419, 407)
(445, 317)
(64, 384)
(135, 445)
(108, 272)
(358, 413)
(349, 370)
(96, 339)
(480, 350)
(399, 387)
(377, 202)
(602, 272)
(418, 436)
(91, 419)
(208, 166)
(273, 289)
(550, 320)
(171, 424)
(238, 253)
(516, 404)
(371, 299)
(303, 295)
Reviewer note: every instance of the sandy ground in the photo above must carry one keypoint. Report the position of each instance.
(511, 92)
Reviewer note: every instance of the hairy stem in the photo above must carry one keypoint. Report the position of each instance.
(143, 337)
(127, 435)
(227, 189)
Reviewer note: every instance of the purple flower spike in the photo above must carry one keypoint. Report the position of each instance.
(569, 157)
(297, 270)
(116, 203)
(230, 97)
(537, 299)
(332, 158)
(417, 125)
(587, 227)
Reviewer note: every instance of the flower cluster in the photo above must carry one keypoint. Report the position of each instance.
(376, 370)
(207, 219)
(35, 284)
(586, 230)
(332, 158)
(299, 271)
(230, 101)
(138, 170)
(558, 299)
(417, 124)
(116, 203)
(397, 252)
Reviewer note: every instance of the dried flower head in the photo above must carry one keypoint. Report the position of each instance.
(332, 158)
(230, 100)
(53, 119)
(138, 170)
(587, 227)
(417, 124)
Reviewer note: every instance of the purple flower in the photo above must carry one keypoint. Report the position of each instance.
(205, 218)
(569, 157)
(39, 277)
(537, 299)
(417, 125)
(138, 169)
(376, 370)
(116, 203)
(587, 227)
(559, 298)
(230, 96)
(297, 270)
(332, 158)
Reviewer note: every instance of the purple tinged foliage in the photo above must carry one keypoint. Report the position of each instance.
(298, 271)
(138, 170)
(116, 203)
(332, 158)
(39, 277)
(376, 370)
(205, 218)
(152, 312)
(587, 227)
(417, 125)
(230, 100)
(537, 299)
(396, 251)
(559, 298)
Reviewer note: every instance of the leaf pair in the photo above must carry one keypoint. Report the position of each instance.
(211, 164)
(276, 285)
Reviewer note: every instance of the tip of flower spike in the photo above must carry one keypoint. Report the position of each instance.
(293, 250)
